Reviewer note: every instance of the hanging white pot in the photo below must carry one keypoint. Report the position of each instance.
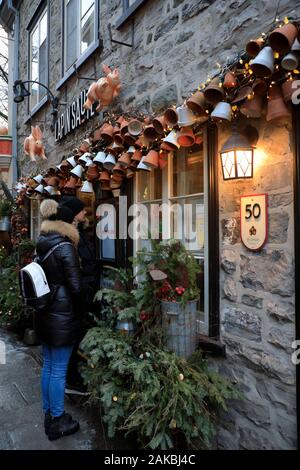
(100, 157)
(131, 149)
(77, 171)
(222, 111)
(38, 178)
(39, 189)
(263, 64)
(109, 162)
(87, 187)
(186, 116)
(171, 139)
(290, 61)
(142, 166)
(72, 161)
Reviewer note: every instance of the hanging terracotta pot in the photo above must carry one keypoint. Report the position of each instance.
(263, 64)
(100, 157)
(129, 139)
(276, 107)
(115, 184)
(197, 103)
(167, 147)
(118, 139)
(120, 120)
(133, 165)
(97, 134)
(151, 159)
(107, 132)
(254, 46)
(87, 187)
(105, 186)
(124, 127)
(159, 124)
(150, 133)
(84, 146)
(119, 169)
(109, 162)
(242, 95)
(171, 117)
(115, 148)
(104, 176)
(135, 127)
(229, 80)
(186, 137)
(62, 183)
(171, 140)
(186, 117)
(281, 39)
(252, 108)
(222, 112)
(259, 87)
(199, 139)
(124, 159)
(162, 160)
(288, 90)
(290, 61)
(71, 183)
(137, 156)
(129, 173)
(92, 172)
(53, 181)
(214, 93)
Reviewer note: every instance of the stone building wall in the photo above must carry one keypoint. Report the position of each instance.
(176, 44)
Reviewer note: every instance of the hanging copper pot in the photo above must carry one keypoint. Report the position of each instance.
(254, 46)
(151, 159)
(186, 137)
(137, 156)
(171, 117)
(259, 87)
(124, 159)
(276, 107)
(229, 80)
(104, 176)
(214, 92)
(281, 39)
(252, 108)
(197, 103)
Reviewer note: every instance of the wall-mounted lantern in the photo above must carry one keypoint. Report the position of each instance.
(237, 157)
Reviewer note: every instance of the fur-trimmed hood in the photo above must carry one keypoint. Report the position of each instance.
(63, 228)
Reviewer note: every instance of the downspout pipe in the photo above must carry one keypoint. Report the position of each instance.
(15, 168)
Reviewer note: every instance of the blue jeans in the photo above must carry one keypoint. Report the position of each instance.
(55, 365)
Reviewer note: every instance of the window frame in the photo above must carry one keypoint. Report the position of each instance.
(94, 46)
(39, 12)
(128, 11)
(35, 220)
(211, 254)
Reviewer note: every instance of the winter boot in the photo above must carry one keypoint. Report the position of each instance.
(63, 425)
(47, 422)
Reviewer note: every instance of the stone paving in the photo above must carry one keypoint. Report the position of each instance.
(21, 418)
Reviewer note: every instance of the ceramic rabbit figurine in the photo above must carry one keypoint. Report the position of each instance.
(33, 145)
(104, 90)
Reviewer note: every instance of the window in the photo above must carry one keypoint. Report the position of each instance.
(182, 187)
(129, 9)
(80, 30)
(38, 51)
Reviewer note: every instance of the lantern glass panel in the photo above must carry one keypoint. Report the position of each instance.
(228, 165)
(244, 161)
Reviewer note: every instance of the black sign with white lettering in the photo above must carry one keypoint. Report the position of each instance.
(73, 116)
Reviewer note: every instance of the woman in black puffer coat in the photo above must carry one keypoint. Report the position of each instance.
(58, 325)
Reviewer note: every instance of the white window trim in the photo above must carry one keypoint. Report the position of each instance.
(41, 100)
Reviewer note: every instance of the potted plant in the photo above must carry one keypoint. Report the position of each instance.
(174, 271)
(5, 212)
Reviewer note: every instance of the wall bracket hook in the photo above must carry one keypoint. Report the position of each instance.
(82, 78)
(121, 42)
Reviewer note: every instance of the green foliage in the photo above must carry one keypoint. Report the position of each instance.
(26, 247)
(11, 309)
(146, 390)
(5, 208)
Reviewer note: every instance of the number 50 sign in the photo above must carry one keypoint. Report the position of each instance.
(254, 221)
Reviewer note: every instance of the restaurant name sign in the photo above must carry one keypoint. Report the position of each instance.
(73, 116)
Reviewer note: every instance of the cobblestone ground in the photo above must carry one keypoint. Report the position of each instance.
(21, 418)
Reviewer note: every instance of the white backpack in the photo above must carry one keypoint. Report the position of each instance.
(34, 286)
